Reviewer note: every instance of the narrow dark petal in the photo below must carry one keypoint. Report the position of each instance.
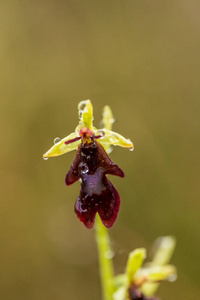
(100, 135)
(73, 140)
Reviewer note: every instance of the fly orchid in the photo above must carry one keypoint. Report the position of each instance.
(140, 282)
(91, 164)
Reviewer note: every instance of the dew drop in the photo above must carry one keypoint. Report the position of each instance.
(114, 139)
(109, 150)
(56, 140)
(83, 168)
(172, 277)
(109, 254)
(131, 149)
(45, 158)
(82, 106)
(112, 120)
(82, 109)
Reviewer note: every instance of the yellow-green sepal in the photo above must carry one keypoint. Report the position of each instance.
(113, 138)
(158, 267)
(153, 276)
(85, 113)
(135, 261)
(156, 273)
(61, 148)
(107, 120)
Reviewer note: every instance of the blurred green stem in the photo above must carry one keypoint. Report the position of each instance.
(105, 260)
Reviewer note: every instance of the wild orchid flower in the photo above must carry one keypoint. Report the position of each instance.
(140, 282)
(91, 164)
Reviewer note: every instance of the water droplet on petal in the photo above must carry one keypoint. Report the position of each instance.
(131, 149)
(56, 140)
(109, 254)
(109, 150)
(45, 158)
(82, 106)
(114, 139)
(172, 277)
(112, 120)
(83, 168)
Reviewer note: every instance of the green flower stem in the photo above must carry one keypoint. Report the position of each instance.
(105, 260)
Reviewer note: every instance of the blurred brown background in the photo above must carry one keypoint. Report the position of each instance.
(141, 58)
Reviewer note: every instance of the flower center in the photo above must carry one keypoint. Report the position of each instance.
(86, 135)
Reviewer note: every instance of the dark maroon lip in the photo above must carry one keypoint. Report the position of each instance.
(97, 194)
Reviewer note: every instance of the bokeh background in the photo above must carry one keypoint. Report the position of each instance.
(141, 58)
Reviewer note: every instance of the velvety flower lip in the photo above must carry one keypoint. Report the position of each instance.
(91, 164)
(97, 194)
